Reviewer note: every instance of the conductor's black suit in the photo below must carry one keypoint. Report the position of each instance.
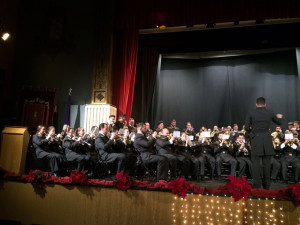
(258, 123)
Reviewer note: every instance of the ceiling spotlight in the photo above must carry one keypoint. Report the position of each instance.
(161, 27)
(5, 36)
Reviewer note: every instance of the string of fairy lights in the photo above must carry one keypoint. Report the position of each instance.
(215, 210)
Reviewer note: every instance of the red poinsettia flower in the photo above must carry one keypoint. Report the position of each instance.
(79, 177)
(238, 187)
(34, 176)
(179, 186)
(123, 181)
(294, 191)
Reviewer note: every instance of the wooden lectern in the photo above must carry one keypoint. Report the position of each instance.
(14, 144)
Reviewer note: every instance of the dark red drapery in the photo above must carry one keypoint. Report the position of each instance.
(124, 70)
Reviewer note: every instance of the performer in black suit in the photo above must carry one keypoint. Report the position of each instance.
(108, 147)
(73, 149)
(144, 147)
(290, 150)
(224, 153)
(243, 155)
(44, 150)
(258, 126)
(165, 147)
(121, 122)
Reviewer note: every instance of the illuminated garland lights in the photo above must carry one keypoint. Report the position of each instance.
(215, 210)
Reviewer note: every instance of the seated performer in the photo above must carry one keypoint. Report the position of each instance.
(88, 145)
(205, 153)
(173, 127)
(275, 160)
(242, 153)
(121, 122)
(73, 149)
(111, 123)
(148, 131)
(55, 141)
(144, 147)
(290, 150)
(297, 128)
(234, 134)
(108, 147)
(224, 153)
(214, 134)
(131, 126)
(43, 150)
(189, 130)
(160, 126)
(183, 147)
(278, 134)
(165, 147)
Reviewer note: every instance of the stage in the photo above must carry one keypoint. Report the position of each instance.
(54, 203)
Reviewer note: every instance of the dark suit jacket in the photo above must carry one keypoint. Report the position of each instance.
(70, 147)
(103, 145)
(163, 146)
(143, 145)
(40, 143)
(258, 123)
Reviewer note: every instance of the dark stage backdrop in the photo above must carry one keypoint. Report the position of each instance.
(221, 91)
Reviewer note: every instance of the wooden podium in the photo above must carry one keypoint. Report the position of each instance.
(14, 144)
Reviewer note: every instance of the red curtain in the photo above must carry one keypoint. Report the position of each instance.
(125, 60)
(124, 71)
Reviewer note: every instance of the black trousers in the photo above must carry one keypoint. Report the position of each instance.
(275, 168)
(120, 157)
(225, 158)
(194, 164)
(243, 162)
(290, 160)
(54, 160)
(261, 163)
(162, 164)
(203, 158)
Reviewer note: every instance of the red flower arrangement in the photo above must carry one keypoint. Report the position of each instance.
(294, 192)
(123, 181)
(238, 187)
(79, 177)
(38, 175)
(179, 186)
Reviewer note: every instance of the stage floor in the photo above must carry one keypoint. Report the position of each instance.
(216, 183)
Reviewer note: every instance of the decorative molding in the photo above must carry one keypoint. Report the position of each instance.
(102, 72)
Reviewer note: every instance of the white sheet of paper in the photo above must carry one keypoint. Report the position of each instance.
(289, 136)
(205, 134)
(191, 138)
(176, 134)
(225, 136)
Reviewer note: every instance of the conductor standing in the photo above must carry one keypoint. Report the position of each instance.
(257, 124)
